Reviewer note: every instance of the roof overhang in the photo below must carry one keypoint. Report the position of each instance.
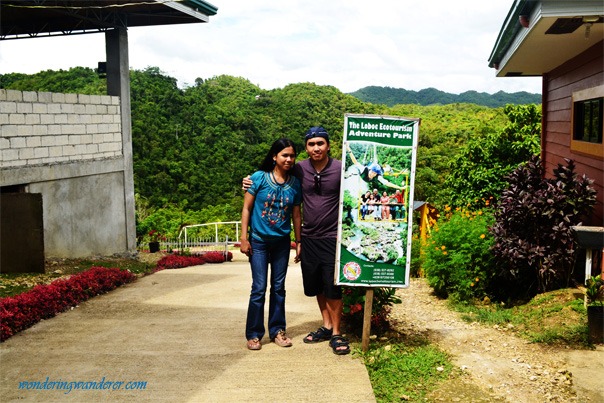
(35, 18)
(538, 36)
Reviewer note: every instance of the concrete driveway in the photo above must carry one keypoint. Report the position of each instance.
(177, 336)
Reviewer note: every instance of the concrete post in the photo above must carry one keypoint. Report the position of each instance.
(118, 83)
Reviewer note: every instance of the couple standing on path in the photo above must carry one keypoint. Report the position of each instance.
(272, 197)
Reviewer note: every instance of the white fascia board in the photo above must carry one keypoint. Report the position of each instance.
(187, 10)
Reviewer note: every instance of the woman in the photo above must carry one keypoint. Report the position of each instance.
(269, 206)
(371, 205)
(365, 204)
(385, 200)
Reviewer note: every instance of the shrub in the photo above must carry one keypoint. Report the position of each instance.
(177, 261)
(457, 257)
(416, 257)
(354, 308)
(534, 241)
(217, 257)
(45, 301)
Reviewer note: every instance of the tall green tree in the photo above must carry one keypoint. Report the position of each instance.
(480, 168)
(444, 129)
(76, 80)
(156, 104)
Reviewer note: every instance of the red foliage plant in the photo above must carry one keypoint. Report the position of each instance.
(45, 301)
(217, 257)
(177, 261)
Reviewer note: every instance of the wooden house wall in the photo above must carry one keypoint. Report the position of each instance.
(583, 72)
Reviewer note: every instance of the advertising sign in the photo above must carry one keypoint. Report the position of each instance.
(376, 201)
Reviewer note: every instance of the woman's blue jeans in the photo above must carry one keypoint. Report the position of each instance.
(277, 254)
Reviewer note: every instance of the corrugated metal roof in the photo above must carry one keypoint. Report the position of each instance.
(510, 28)
(32, 18)
(540, 35)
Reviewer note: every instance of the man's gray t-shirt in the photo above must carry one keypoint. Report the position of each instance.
(320, 209)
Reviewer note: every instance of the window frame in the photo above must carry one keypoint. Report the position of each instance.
(580, 146)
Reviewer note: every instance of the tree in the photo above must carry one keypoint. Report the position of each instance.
(192, 146)
(479, 169)
(80, 80)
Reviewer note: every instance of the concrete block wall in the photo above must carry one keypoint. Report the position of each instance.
(44, 128)
(69, 148)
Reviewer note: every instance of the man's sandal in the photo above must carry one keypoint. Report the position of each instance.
(339, 345)
(321, 334)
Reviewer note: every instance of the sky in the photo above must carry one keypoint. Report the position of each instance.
(348, 44)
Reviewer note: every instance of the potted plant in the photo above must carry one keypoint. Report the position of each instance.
(594, 294)
(154, 238)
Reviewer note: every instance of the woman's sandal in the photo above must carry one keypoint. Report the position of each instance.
(282, 340)
(254, 344)
(339, 345)
(321, 334)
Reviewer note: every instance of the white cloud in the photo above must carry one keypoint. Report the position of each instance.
(350, 44)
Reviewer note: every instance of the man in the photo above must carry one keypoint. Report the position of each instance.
(320, 178)
(399, 208)
(370, 174)
(377, 212)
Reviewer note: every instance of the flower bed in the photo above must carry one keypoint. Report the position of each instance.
(217, 257)
(45, 301)
(177, 261)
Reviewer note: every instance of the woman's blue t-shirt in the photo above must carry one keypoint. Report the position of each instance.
(273, 204)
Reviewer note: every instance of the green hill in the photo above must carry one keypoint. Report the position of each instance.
(192, 146)
(431, 96)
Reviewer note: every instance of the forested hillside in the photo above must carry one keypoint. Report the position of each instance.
(192, 146)
(430, 96)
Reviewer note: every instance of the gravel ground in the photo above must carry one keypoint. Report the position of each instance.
(498, 366)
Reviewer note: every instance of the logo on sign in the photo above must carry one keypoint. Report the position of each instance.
(352, 270)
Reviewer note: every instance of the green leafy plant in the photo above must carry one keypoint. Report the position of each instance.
(416, 257)
(457, 259)
(354, 308)
(594, 290)
(534, 240)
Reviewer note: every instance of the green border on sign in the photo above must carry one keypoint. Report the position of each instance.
(378, 156)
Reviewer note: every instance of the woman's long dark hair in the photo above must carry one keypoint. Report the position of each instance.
(268, 163)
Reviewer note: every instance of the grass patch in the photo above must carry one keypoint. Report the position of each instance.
(554, 318)
(405, 372)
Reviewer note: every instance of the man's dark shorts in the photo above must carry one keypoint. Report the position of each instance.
(318, 267)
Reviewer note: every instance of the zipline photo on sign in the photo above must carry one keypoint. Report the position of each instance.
(376, 199)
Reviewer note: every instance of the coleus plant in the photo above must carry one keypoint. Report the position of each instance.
(534, 242)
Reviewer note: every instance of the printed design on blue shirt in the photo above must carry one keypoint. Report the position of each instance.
(275, 207)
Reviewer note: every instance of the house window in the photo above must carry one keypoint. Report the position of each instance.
(588, 120)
